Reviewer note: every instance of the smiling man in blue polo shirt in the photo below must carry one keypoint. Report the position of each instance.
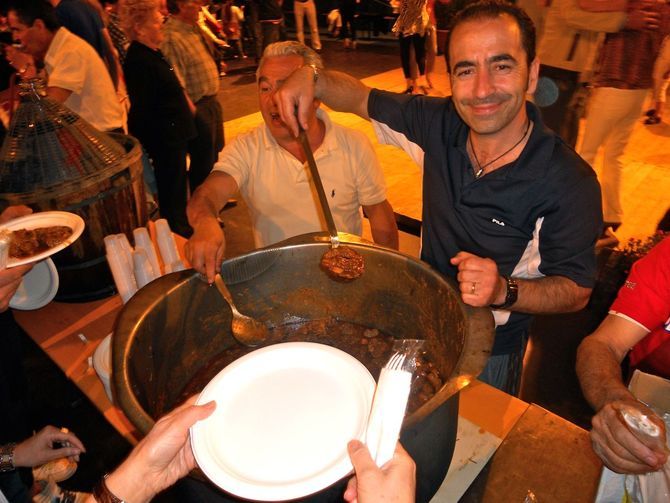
(510, 210)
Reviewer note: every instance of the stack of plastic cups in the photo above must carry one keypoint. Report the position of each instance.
(143, 242)
(120, 263)
(168, 247)
(144, 273)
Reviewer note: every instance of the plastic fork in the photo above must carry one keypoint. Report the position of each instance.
(388, 408)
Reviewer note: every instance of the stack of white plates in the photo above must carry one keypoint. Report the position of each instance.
(102, 363)
(38, 288)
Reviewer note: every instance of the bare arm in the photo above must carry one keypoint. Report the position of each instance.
(551, 294)
(112, 59)
(58, 94)
(161, 458)
(382, 224)
(599, 357)
(206, 248)
(338, 90)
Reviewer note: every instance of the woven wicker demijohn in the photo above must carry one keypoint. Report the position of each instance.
(52, 159)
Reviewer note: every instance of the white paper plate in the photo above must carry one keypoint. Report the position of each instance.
(283, 418)
(45, 219)
(38, 288)
(102, 363)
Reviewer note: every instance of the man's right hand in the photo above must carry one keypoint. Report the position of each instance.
(395, 482)
(206, 248)
(617, 446)
(295, 98)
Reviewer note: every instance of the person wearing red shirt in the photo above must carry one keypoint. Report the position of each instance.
(639, 318)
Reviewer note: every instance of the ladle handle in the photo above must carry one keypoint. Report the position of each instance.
(325, 207)
(223, 290)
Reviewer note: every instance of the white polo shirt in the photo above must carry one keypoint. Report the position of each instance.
(276, 186)
(73, 64)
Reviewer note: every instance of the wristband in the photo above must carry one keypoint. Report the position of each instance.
(7, 457)
(102, 494)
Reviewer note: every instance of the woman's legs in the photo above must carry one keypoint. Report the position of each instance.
(405, 46)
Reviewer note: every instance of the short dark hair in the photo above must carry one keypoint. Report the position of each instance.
(28, 11)
(172, 6)
(491, 9)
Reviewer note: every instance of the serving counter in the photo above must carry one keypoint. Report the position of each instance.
(507, 446)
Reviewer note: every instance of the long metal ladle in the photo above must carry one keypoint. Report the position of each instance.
(330, 223)
(345, 254)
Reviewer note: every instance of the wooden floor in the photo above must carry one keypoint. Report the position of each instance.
(646, 179)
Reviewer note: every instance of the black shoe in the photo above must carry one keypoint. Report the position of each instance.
(651, 120)
(651, 112)
(409, 90)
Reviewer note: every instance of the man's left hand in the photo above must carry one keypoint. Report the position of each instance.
(479, 281)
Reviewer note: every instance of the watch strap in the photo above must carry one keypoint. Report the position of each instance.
(102, 494)
(316, 71)
(511, 295)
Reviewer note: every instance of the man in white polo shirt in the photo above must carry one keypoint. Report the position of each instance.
(267, 165)
(76, 76)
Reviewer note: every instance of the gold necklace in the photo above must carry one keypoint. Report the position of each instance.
(480, 171)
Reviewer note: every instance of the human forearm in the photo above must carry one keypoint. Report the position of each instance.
(206, 248)
(58, 94)
(160, 459)
(210, 197)
(481, 285)
(599, 372)
(343, 93)
(551, 294)
(383, 226)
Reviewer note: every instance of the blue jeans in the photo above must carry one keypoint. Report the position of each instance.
(504, 371)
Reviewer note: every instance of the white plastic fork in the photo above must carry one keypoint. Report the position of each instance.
(388, 409)
(395, 362)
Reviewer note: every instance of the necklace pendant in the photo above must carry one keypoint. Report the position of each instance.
(479, 173)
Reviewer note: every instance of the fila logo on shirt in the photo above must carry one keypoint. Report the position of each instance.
(498, 222)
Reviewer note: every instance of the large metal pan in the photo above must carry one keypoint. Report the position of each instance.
(174, 326)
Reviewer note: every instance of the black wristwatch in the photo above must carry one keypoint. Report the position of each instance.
(511, 296)
(7, 458)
